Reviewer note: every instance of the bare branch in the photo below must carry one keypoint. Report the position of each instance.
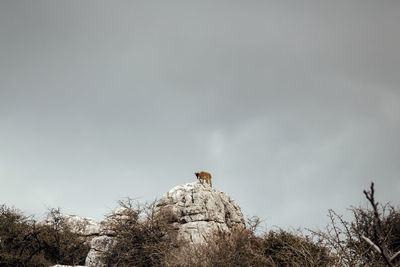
(395, 256)
(371, 243)
(377, 227)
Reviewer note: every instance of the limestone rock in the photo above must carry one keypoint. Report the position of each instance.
(199, 210)
(83, 226)
(98, 247)
(117, 215)
(106, 239)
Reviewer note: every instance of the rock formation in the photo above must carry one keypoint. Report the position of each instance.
(83, 226)
(98, 247)
(87, 228)
(104, 241)
(199, 210)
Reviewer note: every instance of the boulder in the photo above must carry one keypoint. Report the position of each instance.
(105, 240)
(83, 226)
(198, 210)
(98, 247)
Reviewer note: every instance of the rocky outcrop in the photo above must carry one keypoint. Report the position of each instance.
(105, 240)
(199, 210)
(83, 226)
(98, 247)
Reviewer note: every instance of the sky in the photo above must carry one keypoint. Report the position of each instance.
(292, 106)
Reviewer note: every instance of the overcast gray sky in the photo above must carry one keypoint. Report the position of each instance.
(293, 106)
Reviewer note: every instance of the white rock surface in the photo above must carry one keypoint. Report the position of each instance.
(83, 226)
(199, 210)
(98, 246)
(105, 240)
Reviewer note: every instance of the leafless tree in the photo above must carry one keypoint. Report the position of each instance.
(380, 235)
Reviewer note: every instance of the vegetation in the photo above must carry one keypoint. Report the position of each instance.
(145, 237)
(371, 239)
(23, 242)
(242, 247)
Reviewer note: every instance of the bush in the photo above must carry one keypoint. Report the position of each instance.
(23, 242)
(242, 247)
(284, 248)
(59, 243)
(17, 241)
(143, 236)
(371, 239)
(239, 247)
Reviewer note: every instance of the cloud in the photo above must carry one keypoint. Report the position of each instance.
(292, 107)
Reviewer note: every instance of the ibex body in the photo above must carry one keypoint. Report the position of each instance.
(204, 177)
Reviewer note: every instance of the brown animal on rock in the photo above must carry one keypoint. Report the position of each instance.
(204, 176)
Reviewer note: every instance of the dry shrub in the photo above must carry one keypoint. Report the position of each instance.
(356, 243)
(236, 248)
(59, 243)
(143, 236)
(243, 247)
(294, 249)
(23, 242)
(364, 225)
